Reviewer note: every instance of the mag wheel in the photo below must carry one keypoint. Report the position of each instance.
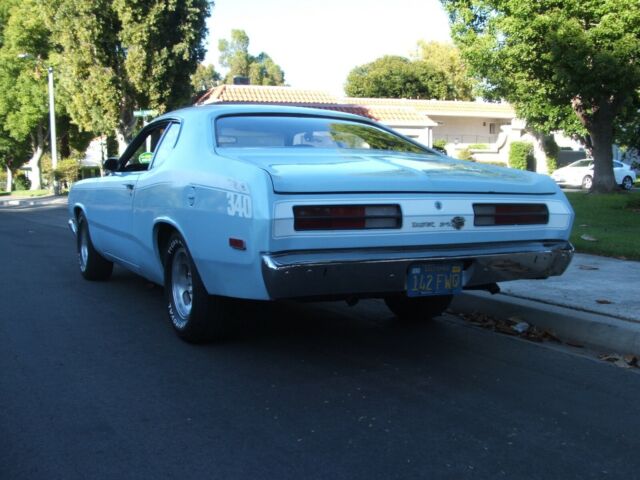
(195, 315)
(587, 182)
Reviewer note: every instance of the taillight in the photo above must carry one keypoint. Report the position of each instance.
(346, 217)
(489, 214)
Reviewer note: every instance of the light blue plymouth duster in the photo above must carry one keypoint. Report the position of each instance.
(267, 203)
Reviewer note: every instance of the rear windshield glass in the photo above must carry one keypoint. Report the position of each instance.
(306, 132)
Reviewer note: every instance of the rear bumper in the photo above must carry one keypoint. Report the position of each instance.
(336, 273)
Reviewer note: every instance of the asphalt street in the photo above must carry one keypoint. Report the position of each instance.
(94, 384)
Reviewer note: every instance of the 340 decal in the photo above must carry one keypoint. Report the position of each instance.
(239, 205)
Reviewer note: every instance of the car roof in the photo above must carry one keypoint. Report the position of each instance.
(218, 110)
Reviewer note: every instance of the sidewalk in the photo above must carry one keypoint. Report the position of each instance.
(596, 303)
(16, 201)
(602, 285)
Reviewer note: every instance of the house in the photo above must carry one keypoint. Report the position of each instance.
(486, 129)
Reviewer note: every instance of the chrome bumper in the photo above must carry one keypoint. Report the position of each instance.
(374, 272)
(72, 226)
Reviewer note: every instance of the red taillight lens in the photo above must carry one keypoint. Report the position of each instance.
(346, 217)
(488, 214)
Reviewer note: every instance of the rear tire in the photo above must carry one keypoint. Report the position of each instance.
(627, 183)
(196, 316)
(93, 266)
(587, 182)
(418, 309)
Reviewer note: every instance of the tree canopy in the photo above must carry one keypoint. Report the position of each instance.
(235, 56)
(569, 65)
(24, 109)
(437, 72)
(204, 78)
(119, 56)
(446, 58)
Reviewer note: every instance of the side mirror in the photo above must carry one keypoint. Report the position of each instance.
(111, 164)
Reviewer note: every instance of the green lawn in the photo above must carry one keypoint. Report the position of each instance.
(612, 219)
(27, 193)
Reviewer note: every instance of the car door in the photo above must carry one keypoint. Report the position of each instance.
(112, 212)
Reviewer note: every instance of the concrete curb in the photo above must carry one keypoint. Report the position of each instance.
(33, 202)
(600, 332)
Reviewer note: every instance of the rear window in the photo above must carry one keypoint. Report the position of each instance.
(306, 132)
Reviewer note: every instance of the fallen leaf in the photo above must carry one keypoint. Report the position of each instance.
(603, 301)
(584, 225)
(588, 238)
(631, 360)
(587, 267)
(609, 357)
(521, 327)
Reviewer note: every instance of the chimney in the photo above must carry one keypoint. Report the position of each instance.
(240, 80)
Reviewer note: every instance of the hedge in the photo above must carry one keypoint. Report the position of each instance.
(521, 156)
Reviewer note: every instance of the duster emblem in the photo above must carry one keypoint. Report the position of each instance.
(457, 222)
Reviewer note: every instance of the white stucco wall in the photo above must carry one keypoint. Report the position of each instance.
(466, 130)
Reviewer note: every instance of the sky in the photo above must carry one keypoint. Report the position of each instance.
(317, 43)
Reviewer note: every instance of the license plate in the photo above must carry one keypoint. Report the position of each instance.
(434, 279)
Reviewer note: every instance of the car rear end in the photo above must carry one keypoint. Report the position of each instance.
(374, 214)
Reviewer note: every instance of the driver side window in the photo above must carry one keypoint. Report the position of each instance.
(140, 159)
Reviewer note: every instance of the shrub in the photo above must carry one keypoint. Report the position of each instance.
(67, 171)
(478, 146)
(21, 182)
(465, 154)
(551, 150)
(521, 156)
(440, 145)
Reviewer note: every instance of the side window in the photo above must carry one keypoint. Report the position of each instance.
(140, 159)
(166, 145)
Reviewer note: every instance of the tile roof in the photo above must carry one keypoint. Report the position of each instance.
(391, 111)
(265, 94)
(443, 107)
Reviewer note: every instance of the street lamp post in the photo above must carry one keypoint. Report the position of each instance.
(52, 119)
(52, 128)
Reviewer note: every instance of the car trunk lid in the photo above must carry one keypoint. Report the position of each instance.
(335, 172)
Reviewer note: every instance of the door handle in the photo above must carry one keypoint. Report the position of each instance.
(129, 186)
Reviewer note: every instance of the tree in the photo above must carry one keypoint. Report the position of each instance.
(392, 77)
(204, 78)
(23, 85)
(119, 56)
(446, 58)
(398, 77)
(569, 65)
(234, 55)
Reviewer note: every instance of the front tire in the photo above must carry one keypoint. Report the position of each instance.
(587, 182)
(196, 317)
(93, 266)
(418, 309)
(627, 183)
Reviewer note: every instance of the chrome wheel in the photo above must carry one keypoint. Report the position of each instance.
(83, 248)
(627, 183)
(181, 286)
(587, 182)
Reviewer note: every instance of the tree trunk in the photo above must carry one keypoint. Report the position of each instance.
(9, 179)
(37, 142)
(598, 120)
(122, 141)
(601, 133)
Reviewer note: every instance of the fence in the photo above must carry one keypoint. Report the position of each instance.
(466, 139)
